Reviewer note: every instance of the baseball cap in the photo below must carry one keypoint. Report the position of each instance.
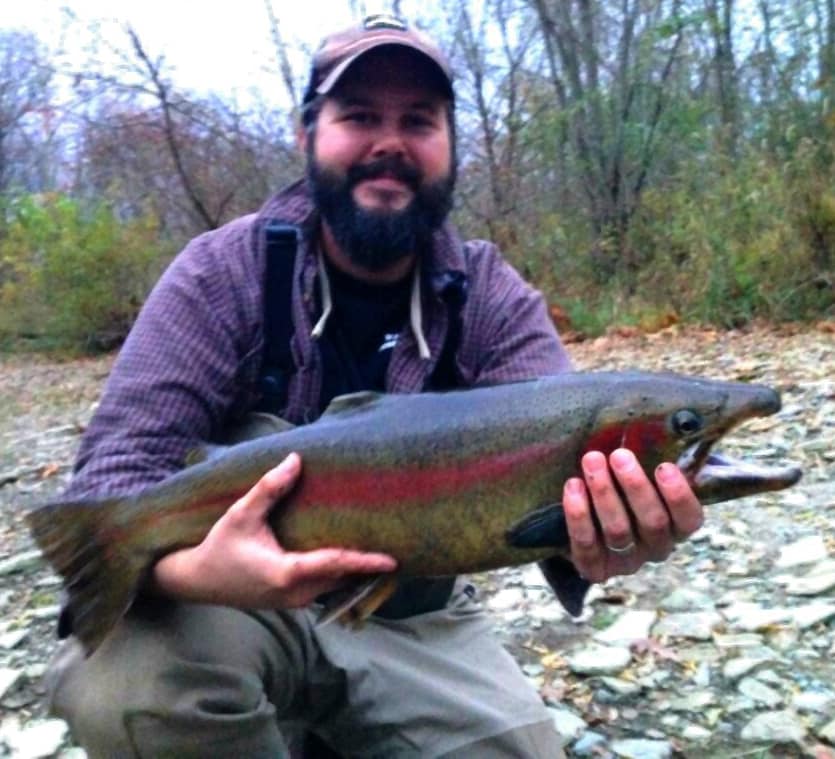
(338, 51)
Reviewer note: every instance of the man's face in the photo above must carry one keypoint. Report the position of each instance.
(380, 160)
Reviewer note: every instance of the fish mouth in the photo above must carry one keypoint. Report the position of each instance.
(717, 477)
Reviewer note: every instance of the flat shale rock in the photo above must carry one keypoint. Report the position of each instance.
(774, 727)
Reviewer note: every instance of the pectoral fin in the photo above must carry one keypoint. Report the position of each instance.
(358, 602)
(544, 527)
(254, 425)
(566, 582)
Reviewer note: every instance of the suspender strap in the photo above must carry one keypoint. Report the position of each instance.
(281, 243)
(454, 294)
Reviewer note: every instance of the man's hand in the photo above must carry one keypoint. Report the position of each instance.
(241, 564)
(643, 525)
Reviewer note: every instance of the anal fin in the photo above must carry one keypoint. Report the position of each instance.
(359, 602)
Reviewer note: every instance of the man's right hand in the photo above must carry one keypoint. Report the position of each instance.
(241, 564)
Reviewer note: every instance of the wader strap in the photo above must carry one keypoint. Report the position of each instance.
(454, 294)
(281, 243)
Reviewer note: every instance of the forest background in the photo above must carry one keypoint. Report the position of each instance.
(642, 162)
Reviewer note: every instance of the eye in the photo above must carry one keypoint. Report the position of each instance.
(360, 117)
(418, 121)
(686, 422)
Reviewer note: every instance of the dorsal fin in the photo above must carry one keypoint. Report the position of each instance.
(254, 425)
(203, 453)
(352, 402)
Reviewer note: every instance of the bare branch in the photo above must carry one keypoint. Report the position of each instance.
(211, 221)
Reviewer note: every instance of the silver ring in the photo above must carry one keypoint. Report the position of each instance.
(626, 549)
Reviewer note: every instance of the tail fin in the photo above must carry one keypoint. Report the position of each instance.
(100, 573)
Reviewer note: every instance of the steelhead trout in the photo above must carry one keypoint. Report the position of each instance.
(447, 483)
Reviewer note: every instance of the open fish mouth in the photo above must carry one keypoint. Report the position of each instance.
(717, 477)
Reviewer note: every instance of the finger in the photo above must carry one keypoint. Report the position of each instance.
(586, 547)
(684, 508)
(334, 563)
(650, 518)
(253, 507)
(614, 519)
(297, 578)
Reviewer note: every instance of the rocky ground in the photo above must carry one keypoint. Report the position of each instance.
(725, 650)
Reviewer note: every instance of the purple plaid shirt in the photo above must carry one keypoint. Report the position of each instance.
(191, 363)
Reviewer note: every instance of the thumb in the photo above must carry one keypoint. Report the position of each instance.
(254, 506)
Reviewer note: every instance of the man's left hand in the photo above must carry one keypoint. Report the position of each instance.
(638, 521)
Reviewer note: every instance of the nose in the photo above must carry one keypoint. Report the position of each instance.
(388, 141)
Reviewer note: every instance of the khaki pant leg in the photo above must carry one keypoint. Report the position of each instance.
(437, 684)
(181, 680)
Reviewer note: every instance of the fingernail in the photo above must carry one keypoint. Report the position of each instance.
(594, 461)
(574, 486)
(622, 459)
(665, 472)
(291, 461)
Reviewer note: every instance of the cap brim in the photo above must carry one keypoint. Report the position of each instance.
(330, 81)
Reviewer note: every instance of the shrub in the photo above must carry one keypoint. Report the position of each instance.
(73, 277)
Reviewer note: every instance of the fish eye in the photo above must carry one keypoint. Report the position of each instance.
(686, 422)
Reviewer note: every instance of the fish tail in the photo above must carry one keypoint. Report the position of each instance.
(101, 573)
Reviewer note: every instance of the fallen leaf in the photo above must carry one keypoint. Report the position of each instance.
(654, 647)
(50, 470)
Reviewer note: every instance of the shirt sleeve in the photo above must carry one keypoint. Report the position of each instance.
(178, 373)
(508, 333)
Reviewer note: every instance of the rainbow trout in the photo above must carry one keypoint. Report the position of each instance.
(447, 483)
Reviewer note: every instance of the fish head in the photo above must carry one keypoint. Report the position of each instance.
(668, 417)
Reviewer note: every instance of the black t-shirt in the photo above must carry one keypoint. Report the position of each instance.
(360, 334)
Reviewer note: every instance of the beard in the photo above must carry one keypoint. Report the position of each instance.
(374, 240)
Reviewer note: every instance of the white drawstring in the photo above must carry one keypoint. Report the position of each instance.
(327, 301)
(416, 315)
(415, 308)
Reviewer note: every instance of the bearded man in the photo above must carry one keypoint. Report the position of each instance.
(220, 656)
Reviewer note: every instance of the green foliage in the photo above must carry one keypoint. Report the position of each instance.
(724, 243)
(73, 277)
(590, 316)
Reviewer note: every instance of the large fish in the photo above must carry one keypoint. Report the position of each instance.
(446, 483)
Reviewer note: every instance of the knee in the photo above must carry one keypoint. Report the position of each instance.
(173, 663)
(165, 705)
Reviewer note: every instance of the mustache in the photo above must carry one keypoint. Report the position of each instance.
(386, 166)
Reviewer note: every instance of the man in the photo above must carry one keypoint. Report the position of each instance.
(220, 657)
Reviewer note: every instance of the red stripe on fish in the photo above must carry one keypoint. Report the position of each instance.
(640, 437)
(381, 489)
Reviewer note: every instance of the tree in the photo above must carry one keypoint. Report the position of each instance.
(610, 68)
(493, 53)
(197, 161)
(25, 79)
